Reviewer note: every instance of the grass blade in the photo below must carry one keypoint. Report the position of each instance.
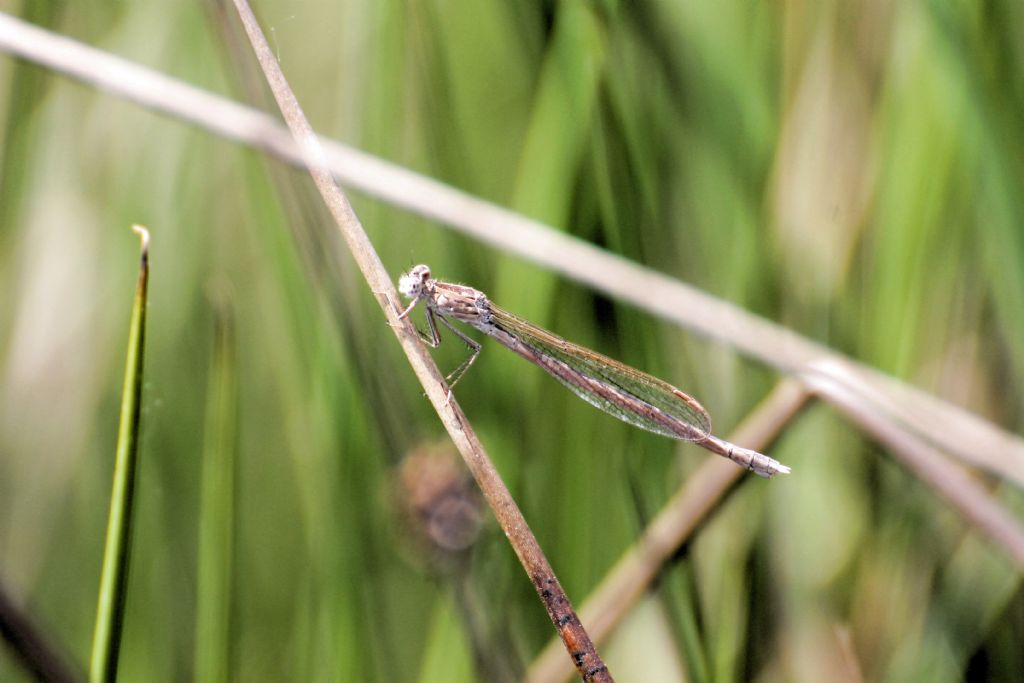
(217, 504)
(113, 579)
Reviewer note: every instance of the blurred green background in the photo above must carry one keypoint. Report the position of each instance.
(850, 170)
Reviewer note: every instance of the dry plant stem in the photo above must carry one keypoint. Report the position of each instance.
(950, 480)
(693, 504)
(953, 429)
(576, 640)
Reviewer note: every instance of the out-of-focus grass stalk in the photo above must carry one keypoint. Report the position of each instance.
(217, 503)
(113, 578)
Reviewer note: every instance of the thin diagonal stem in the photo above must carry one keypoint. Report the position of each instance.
(575, 638)
(949, 479)
(693, 504)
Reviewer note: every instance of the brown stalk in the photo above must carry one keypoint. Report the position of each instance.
(859, 402)
(577, 642)
(693, 504)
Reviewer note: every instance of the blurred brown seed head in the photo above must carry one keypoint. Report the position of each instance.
(439, 507)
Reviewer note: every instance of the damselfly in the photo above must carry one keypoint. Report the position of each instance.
(628, 394)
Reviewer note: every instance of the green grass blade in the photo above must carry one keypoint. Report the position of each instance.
(217, 504)
(113, 579)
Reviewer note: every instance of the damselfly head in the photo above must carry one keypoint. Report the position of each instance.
(411, 284)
